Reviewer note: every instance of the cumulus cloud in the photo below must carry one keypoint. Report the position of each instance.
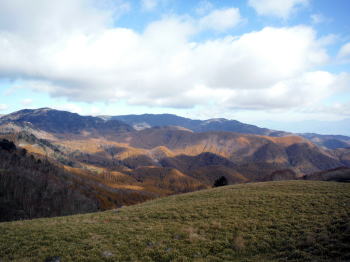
(344, 51)
(278, 8)
(304, 90)
(149, 5)
(221, 20)
(54, 18)
(162, 65)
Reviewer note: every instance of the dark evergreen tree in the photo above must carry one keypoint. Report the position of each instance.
(222, 181)
(7, 145)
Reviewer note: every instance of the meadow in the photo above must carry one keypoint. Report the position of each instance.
(269, 221)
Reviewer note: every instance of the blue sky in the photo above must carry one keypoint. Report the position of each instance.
(250, 60)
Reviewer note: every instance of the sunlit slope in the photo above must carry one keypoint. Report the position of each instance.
(272, 221)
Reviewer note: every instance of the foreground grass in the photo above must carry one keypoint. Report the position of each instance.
(272, 221)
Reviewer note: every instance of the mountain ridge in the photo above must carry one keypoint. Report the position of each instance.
(103, 125)
(214, 124)
(144, 121)
(56, 121)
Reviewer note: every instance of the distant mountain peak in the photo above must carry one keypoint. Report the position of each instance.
(219, 120)
(45, 109)
(57, 121)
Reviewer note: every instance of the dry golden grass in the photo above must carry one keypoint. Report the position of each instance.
(288, 140)
(272, 221)
(35, 149)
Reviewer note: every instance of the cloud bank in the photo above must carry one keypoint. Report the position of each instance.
(74, 50)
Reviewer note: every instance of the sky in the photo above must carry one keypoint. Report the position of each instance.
(256, 61)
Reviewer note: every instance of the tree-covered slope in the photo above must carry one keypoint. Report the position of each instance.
(33, 187)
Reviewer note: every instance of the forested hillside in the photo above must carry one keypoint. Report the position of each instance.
(32, 187)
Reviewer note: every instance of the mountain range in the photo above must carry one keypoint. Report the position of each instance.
(129, 159)
(140, 122)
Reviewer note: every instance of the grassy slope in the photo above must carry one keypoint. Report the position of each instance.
(294, 220)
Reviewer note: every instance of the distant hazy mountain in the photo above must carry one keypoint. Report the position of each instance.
(140, 122)
(216, 124)
(341, 127)
(328, 141)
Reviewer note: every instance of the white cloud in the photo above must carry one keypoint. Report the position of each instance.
(35, 17)
(3, 107)
(273, 68)
(203, 7)
(221, 20)
(307, 90)
(69, 107)
(160, 68)
(27, 102)
(344, 51)
(95, 111)
(278, 8)
(340, 109)
(319, 18)
(149, 5)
